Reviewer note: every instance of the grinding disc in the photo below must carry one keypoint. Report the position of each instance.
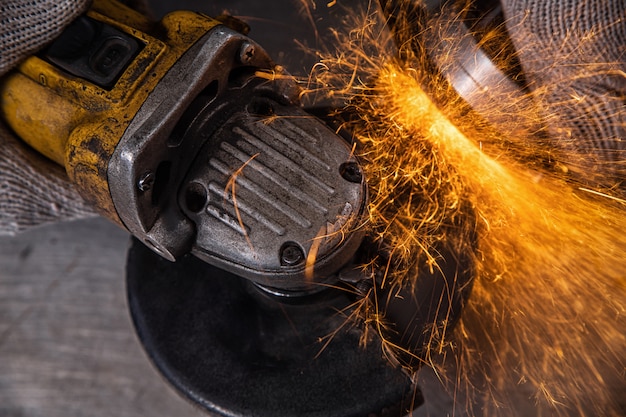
(237, 351)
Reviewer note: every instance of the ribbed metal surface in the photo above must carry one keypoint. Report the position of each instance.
(271, 181)
(265, 171)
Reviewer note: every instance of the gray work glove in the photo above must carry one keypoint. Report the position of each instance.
(573, 55)
(34, 190)
(578, 80)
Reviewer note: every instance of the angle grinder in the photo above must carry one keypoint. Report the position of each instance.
(248, 214)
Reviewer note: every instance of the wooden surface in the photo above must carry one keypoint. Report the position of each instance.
(67, 344)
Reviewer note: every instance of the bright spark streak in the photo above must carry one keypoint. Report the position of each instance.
(547, 315)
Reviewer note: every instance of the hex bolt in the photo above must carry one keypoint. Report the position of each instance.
(146, 181)
(291, 254)
(246, 53)
(351, 171)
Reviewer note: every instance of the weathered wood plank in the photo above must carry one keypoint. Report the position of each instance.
(67, 346)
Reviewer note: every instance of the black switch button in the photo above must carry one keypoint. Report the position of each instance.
(111, 56)
(94, 51)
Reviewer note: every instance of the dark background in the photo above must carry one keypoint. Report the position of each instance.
(290, 30)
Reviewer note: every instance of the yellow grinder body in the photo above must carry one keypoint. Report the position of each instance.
(185, 133)
(78, 123)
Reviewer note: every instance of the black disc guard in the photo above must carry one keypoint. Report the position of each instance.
(237, 351)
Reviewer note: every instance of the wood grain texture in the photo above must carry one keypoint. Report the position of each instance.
(67, 345)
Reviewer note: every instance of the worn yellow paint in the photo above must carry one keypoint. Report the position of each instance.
(78, 124)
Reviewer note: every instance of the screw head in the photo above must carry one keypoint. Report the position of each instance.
(291, 254)
(351, 171)
(246, 53)
(145, 181)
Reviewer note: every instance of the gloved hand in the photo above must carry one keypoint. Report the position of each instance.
(33, 190)
(573, 55)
